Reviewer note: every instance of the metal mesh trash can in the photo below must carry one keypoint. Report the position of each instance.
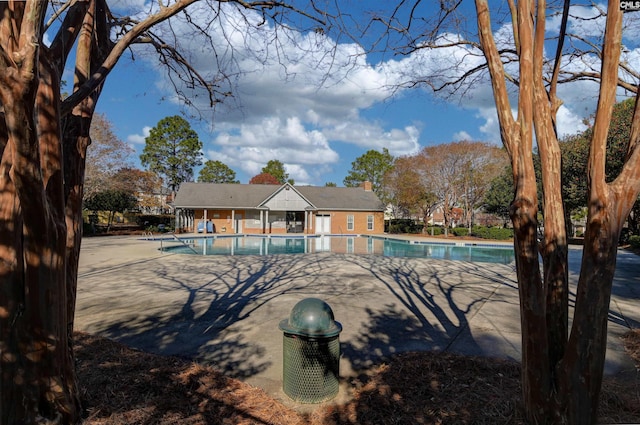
(311, 352)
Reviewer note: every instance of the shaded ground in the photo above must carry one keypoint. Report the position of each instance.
(124, 386)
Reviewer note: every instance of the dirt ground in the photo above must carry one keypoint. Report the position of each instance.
(124, 386)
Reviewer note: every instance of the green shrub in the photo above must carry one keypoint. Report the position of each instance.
(460, 231)
(497, 233)
(394, 228)
(147, 220)
(634, 241)
(403, 225)
(480, 232)
(160, 228)
(433, 231)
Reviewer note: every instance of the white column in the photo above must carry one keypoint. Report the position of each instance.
(266, 221)
(304, 226)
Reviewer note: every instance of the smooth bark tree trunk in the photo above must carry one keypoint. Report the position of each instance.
(561, 371)
(582, 367)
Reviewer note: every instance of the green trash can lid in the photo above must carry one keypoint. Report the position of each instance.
(311, 317)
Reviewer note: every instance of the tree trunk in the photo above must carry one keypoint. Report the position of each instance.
(609, 205)
(37, 371)
(561, 373)
(583, 365)
(75, 143)
(553, 247)
(41, 198)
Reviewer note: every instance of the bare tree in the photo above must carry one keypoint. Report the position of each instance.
(482, 164)
(145, 185)
(401, 183)
(106, 155)
(43, 146)
(442, 167)
(562, 368)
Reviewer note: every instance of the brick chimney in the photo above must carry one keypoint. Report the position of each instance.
(367, 186)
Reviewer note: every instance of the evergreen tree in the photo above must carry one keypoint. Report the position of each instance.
(371, 167)
(217, 172)
(498, 198)
(111, 201)
(276, 169)
(172, 150)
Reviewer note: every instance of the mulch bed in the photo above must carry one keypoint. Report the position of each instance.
(120, 385)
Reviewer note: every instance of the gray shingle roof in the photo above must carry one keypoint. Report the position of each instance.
(223, 196)
(341, 198)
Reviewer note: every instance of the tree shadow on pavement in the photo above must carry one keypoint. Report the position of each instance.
(216, 295)
(429, 309)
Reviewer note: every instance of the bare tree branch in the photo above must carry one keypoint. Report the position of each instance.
(99, 76)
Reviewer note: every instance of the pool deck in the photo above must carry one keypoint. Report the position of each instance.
(225, 310)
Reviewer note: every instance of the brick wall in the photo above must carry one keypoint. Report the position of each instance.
(222, 222)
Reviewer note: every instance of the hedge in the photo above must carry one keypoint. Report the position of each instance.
(499, 233)
(434, 231)
(402, 225)
(460, 231)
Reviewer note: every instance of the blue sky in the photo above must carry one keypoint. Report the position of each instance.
(317, 125)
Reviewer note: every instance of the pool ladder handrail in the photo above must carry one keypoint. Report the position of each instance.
(182, 242)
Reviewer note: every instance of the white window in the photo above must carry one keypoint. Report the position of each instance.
(349, 222)
(350, 245)
(369, 222)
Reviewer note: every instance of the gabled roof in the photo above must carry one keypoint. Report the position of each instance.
(287, 187)
(341, 198)
(222, 195)
(251, 196)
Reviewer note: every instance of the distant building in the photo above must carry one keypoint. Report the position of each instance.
(455, 217)
(157, 202)
(273, 209)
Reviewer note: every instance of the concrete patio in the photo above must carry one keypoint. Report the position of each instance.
(225, 310)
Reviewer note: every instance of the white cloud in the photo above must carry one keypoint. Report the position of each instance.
(297, 95)
(491, 127)
(292, 104)
(372, 136)
(251, 146)
(569, 123)
(461, 136)
(631, 29)
(587, 21)
(139, 139)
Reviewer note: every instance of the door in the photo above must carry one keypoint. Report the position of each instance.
(238, 223)
(323, 223)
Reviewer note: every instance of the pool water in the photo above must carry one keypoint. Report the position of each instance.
(388, 247)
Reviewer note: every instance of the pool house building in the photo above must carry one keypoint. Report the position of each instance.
(277, 209)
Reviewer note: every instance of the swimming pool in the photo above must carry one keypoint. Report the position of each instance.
(389, 247)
